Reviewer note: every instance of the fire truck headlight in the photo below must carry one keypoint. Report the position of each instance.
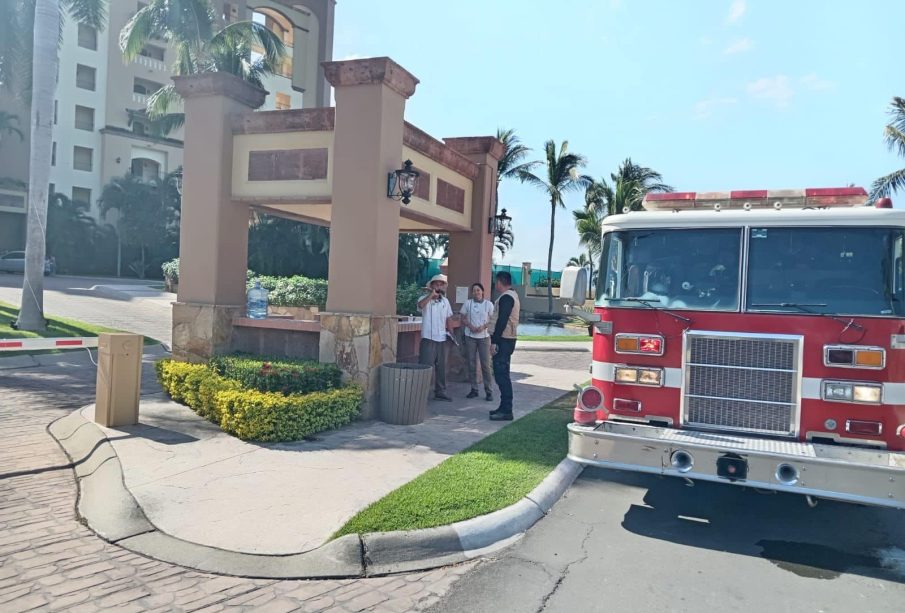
(867, 393)
(844, 391)
(631, 375)
(651, 376)
(626, 375)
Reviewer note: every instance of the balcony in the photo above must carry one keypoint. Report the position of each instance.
(150, 62)
(141, 99)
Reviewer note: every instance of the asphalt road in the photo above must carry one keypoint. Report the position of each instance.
(629, 542)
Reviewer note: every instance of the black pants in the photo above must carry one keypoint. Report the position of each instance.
(501, 362)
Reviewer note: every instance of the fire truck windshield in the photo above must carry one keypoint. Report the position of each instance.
(837, 270)
(811, 270)
(676, 268)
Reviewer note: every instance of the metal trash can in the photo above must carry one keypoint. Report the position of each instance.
(404, 389)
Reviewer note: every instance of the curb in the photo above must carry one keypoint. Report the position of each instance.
(109, 509)
(68, 356)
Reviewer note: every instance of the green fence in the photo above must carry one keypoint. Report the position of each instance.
(433, 268)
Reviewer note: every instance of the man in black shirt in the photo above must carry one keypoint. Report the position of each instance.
(504, 324)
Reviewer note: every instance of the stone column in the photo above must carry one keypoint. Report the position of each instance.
(213, 244)
(471, 253)
(359, 328)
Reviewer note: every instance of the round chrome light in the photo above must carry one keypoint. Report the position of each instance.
(787, 474)
(682, 461)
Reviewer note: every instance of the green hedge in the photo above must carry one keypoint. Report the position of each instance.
(279, 375)
(253, 415)
(293, 291)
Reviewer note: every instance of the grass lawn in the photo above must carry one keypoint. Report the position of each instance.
(577, 338)
(58, 327)
(491, 474)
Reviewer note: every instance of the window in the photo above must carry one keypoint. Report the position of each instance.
(139, 127)
(56, 106)
(676, 269)
(283, 102)
(826, 270)
(82, 158)
(87, 37)
(153, 52)
(81, 194)
(145, 169)
(145, 87)
(84, 118)
(53, 154)
(85, 77)
(53, 189)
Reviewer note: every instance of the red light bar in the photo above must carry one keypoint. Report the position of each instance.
(834, 191)
(630, 406)
(670, 196)
(861, 426)
(748, 193)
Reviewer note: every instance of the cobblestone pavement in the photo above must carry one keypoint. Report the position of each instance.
(49, 561)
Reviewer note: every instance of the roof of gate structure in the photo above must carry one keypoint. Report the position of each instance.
(283, 165)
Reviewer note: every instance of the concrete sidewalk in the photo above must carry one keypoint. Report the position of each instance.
(201, 485)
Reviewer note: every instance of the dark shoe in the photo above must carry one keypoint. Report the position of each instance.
(472, 394)
(442, 397)
(501, 416)
(489, 397)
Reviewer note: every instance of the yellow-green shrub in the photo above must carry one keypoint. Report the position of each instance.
(172, 376)
(271, 416)
(253, 415)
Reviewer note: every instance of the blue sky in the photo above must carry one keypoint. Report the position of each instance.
(715, 94)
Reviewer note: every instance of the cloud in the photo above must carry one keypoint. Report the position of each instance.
(739, 46)
(703, 109)
(776, 90)
(815, 83)
(736, 11)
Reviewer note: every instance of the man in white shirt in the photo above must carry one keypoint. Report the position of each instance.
(476, 314)
(435, 313)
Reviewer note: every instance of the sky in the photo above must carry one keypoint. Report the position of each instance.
(714, 94)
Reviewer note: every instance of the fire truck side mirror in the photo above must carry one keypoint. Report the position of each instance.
(573, 285)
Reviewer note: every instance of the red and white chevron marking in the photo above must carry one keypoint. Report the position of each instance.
(28, 344)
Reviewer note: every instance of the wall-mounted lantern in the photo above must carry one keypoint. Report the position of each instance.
(177, 181)
(499, 225)
(401, 183)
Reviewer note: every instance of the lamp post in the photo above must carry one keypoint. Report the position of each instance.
(401, 183)
(500, 224)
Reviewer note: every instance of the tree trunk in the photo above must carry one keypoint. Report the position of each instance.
(550, 257)
(44, 75)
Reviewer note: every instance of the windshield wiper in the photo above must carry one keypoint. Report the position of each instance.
(803, 307)
(651, 305)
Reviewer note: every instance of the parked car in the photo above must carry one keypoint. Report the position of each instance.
(14, 261)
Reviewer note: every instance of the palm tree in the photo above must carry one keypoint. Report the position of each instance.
(626, 191)
(895, 139)
(246, 49)
(511, 166)
(45, 56)
(587, 222)
(561, 177)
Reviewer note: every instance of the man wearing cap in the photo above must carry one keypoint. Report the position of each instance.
(435, 313)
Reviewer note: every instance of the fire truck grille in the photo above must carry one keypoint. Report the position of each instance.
(742, 382)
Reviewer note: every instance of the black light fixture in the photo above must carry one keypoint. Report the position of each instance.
(177, 181)
(500, 224)
(401, 183)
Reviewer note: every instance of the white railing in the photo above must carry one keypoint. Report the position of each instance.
(139, 98)
(150, 62)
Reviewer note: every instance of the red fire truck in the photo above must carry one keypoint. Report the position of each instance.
(754, 338)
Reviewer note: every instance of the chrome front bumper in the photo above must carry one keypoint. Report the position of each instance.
(828, 471)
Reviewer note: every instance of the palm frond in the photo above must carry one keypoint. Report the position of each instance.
(885, 186)
(137, 32)
(895, 139)
(89, 12)
(163, 101)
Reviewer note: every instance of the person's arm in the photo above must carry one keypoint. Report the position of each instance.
(427, 298)
(506, 304)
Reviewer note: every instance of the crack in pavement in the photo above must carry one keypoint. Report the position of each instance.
(566, 569)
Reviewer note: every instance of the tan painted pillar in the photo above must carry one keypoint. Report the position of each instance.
(471, 253)
(367, 144)
(213, 243)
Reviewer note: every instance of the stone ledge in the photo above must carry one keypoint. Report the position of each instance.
(371, 70)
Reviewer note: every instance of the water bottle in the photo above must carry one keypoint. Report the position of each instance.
(256, 306)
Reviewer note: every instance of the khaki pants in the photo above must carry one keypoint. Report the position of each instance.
(478, 349)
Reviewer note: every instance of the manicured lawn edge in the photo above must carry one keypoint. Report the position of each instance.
(576, 338)
(58, 327)
(492, 474)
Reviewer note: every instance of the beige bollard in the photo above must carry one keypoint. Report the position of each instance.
(118, 379)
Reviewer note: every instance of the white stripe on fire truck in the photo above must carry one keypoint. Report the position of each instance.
(893, 393)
